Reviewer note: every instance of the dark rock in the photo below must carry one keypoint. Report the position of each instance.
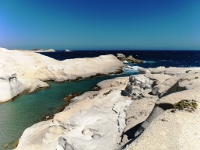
(130, 58)
(127, 91)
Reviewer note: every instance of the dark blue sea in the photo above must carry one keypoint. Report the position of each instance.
(152, 58)
(25, 110)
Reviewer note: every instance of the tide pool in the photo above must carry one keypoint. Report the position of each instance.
(28, 109)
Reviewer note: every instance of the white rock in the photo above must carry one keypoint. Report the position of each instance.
(32, 68)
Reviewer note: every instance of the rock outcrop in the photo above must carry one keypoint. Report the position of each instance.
(130, 58)
(97, 119)
(91, 121)
(174, 121)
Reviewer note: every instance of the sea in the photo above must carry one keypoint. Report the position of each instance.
(28, 109)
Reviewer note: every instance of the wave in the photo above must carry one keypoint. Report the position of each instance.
(125, 62)
(167, 60)
(149, 61)
(131, 68)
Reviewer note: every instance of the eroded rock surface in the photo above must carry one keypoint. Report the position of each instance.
(126, 114)
(172, 127)
(94, 121)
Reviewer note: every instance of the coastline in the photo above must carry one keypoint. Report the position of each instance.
(28, 71)
(31, 84)
(124, 113)
(128, 108)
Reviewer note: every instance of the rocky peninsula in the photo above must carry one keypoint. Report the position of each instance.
(27, 70)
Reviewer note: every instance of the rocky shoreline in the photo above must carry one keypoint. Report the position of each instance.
(125, 113)
(157, 109)
(27, 71)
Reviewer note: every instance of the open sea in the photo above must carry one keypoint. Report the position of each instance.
(25, 110)
(152, 58)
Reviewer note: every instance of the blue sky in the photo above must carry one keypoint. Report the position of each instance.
(100, 24)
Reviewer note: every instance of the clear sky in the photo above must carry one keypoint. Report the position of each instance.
(100, 24)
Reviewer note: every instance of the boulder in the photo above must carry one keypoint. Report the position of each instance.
(127, 91)
(133, 60)
(141, 80)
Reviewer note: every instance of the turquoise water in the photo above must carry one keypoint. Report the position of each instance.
(28, 109)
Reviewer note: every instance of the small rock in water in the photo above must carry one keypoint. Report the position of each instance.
(5, 145)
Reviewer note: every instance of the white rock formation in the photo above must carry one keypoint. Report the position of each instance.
(168, 128)
(31, 69)
(105, 119)
(94, 121)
